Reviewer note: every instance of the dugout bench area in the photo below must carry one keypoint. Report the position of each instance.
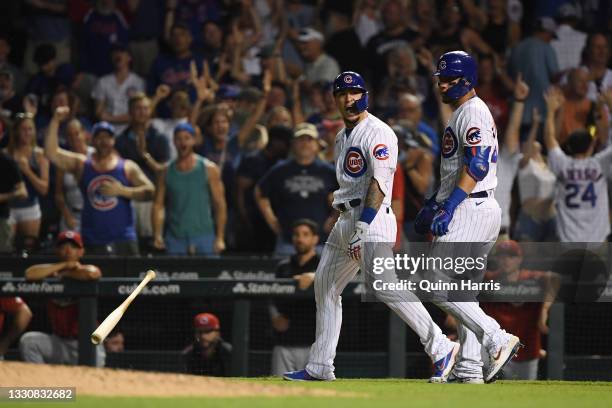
(374, 342)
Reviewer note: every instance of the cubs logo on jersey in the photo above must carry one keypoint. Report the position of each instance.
(98, 200)
(449, 143)
(381, 152)
(473, 136)
(355, 163)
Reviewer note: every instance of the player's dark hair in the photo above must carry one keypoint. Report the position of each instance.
(578, 142)
(312, 226)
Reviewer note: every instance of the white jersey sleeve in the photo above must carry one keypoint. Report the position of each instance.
(558, 161)
(382, 157)
(604, 158)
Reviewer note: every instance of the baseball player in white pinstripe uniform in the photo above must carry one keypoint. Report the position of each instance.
(366, 157)
(464, 210)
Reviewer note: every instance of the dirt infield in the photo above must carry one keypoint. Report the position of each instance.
(113, 382)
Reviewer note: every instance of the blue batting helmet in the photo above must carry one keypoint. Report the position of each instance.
(458, 64)
(102, 127)
(352, 80)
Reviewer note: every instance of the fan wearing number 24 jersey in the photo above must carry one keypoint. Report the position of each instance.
(581, 195)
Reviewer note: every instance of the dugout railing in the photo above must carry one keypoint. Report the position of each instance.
(243, 284)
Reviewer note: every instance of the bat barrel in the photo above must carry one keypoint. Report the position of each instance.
(113, 318)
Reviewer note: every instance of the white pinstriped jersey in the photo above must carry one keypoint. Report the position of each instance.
(582, 195)
(471, 125)
(370, 150)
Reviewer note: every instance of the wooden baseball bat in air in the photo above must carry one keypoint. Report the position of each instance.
(113, 318)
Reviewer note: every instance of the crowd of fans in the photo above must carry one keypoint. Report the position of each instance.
(186, 126)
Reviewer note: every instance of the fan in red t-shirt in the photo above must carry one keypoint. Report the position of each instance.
(526, 320)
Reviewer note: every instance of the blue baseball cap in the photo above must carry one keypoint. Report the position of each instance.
(186, 126)
(228, 92)
(102, 127)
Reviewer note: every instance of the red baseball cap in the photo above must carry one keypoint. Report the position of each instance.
(206, 321)
(70, 236)
(509, 247)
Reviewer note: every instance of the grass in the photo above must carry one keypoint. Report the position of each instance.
(388, 393)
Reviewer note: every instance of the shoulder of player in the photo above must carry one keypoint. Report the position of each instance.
(379, 131)
(339, 135)
(475, 110)
(475, 116)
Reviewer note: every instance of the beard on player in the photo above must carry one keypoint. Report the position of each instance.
(351, 115)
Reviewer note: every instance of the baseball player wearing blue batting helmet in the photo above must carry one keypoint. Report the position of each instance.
(352, 80)
(460, 65)
(366, 154)
(464, 209)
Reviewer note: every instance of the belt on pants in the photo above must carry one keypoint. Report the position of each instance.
(479, 194)
(343, 207)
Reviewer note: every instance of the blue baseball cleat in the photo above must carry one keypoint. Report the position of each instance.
(445, 365)
(301, 375)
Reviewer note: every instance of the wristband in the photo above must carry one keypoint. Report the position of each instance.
(454, 199)
(368, 214)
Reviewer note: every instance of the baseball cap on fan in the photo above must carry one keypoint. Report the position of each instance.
(306, 129)
(69, 236)
(206, 321)
(547, 24)
(509, 247)
(102, 127)
(310, 34)
(568, 11)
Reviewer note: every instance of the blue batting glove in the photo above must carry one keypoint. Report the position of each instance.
(422, 222)
(441, 221)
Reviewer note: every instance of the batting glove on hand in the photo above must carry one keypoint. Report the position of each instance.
(356, 241)
(424, 217)
(441, 221)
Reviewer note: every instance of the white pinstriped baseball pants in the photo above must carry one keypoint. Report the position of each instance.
(336, 270)
(476, 220)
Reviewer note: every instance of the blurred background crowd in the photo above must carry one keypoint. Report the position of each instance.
(245, 84)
